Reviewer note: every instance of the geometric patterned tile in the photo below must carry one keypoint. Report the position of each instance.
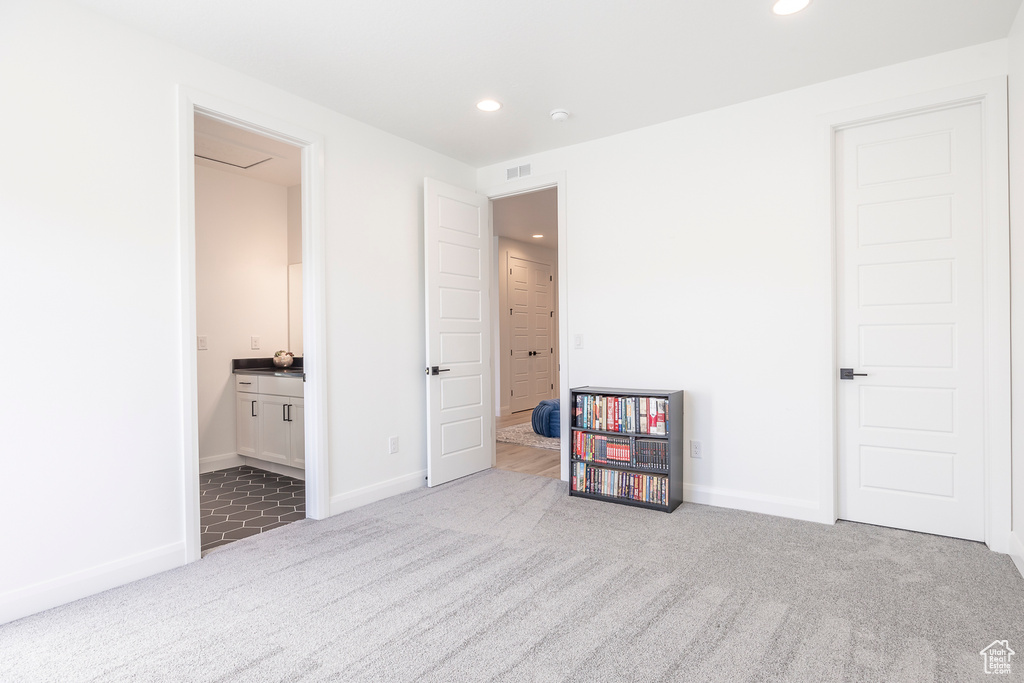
(243, 501)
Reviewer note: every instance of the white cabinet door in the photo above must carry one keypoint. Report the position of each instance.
(275, 435)
(296, 426)
(246, 424)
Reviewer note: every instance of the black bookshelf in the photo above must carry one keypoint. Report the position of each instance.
(648, 476)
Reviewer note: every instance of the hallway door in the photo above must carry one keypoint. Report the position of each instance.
(531, 306)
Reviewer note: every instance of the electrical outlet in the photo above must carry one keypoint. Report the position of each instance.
(696, 449)
(254, 342)
(577, 341)
(392, 445)
(201, 342)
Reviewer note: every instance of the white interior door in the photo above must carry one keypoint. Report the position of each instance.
(530, 305)
(460, 424)
(909, 213)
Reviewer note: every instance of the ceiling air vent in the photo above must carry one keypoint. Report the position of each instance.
(517, 172)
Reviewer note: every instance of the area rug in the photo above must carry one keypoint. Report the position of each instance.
(523, 435)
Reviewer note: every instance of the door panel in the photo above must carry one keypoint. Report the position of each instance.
(530, 297)
(275, 437)
(246, 424)
(297, 433)
(460, 426)
(910, 268)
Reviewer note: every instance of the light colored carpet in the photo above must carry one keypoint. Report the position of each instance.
(501, 576)
(523, 435)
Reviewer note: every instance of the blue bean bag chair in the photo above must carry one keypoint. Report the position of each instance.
(547, 418)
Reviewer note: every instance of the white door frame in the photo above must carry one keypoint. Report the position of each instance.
(524, 186)
(314, 317)
(991, 95)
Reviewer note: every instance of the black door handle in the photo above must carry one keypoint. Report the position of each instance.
(284, 412)
(434, 370)
(848, 373)
(254, 408)
(289, 407)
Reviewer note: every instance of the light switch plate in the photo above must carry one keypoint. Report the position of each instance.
(578, 341)
(201, 342)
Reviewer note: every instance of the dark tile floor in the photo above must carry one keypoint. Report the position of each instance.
(244, 501)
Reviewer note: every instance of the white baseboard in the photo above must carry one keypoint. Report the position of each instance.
(219, 462)
(37, 597)
(276, 468)
(1016, 551)
(793, 508)
(371, 494)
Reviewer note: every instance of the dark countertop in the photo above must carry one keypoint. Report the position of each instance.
(265, 366)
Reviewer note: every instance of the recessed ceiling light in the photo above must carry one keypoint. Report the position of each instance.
(488, 105)
(784, 7)
(537, 237)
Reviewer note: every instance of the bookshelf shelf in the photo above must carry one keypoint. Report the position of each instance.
(601, 431)
(615, 433)
(619, 501)
(620, 466)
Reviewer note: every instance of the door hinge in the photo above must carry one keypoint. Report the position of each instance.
(510, 393)
(551, 350)
(551, 278)
(509, 271)
(552, 386)
(551, 314)
(510, 311)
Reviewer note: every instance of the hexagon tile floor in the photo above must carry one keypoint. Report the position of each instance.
(243, 501)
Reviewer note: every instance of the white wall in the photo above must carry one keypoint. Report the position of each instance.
(1016, 117)
(718, 225)
(241, 290)
(90, 218)
(295, 224)
(530, 252)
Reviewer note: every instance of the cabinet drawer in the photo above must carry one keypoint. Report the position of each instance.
(281, 386)
(246, 383)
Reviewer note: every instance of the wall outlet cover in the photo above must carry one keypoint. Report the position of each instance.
(254, 342)
(393, 445)
(696, 449)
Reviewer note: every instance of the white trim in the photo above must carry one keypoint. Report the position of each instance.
(64, 589)
(1015, 547)
(220, 462)
(991, 94)
(532, 184)
(374, 492)
(276, 468)
(793, 508)
(314, 281)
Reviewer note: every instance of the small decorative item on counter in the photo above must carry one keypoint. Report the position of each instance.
(283, 359)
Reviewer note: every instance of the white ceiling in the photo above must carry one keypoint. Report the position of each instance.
(522, 216)
(417, 67)
(225, 147)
